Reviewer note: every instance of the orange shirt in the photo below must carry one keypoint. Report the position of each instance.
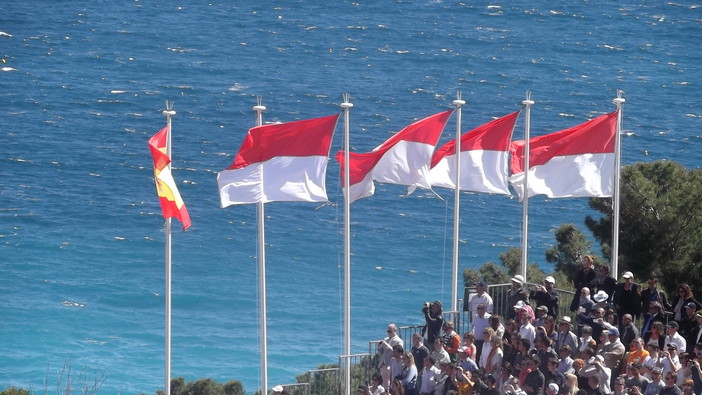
(637, 356)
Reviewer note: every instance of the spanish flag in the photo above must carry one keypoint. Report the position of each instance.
(171, 202)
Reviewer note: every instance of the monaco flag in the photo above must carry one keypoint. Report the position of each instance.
(403, 159)
(484, 153)
(281, 162)
(575, 162)
(171, 203)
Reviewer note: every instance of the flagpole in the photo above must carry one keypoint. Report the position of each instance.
(346, 106)
(618, 101)
(456, 204)
(260, 108)
(169, 112)
(525, 206)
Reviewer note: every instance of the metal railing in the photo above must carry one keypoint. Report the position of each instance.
(332, 381)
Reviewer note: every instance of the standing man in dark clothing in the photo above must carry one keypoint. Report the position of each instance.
(653, 294)
(515, 294)
(434, 318)
(584, 278)
(627, 297)
(628, 331)
(605, 282)
(545, 295)
(535, 380)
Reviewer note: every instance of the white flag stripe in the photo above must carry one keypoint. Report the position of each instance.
(585, 175)
(286, 179)
(481, 171)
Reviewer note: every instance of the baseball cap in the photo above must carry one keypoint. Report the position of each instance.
(628, 275)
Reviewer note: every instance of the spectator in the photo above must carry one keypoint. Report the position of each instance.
(522, 308)
(546, 295)
(488, 333)
(385, 351)
(469, 345)
(534, 381)
(656, 335)
(516, 293)
(419, 350)
(481, 297)
(627, 296)
(594, 387)
(496, 325)
(565, 364)
(466, 363)
(552, 389)
(439, 355)
(409, 374)
(544, 353)
(550, 327)
(505, 376)
(541, 313)
(674, 337)
(396, 363)
(656, 384)
(376, 387)
(634, 377)
(493, 362)
(683, 297)
(571, 384)
(552, 374)
(613, 353)
(628, 331)
(586, 340)
(655, 313)
(434, 318)
(566, 337)
(452, 341)
(653, 294)
(604, 282)
(695, 336)
(584, 278)
(428, 376)
(527, 330)
(684, 372)
(480, 321)
(638, 353)
(491, 384)
(688, 324)
(583, 309)
(670, 385)
(619, 386)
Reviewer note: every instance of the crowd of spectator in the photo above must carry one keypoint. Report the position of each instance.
(620, 337)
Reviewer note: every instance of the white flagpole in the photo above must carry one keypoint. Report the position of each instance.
(456, 204)
(169, 112)
(260, 108)
(346, 105)
(618, 101)
(525, 206)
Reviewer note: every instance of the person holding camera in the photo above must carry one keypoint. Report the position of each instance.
(546, 295)
(434, 318)
(385, 352)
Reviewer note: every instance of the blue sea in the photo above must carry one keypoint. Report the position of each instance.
(82, 88)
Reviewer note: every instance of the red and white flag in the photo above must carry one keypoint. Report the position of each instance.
(484, 158)
(171, 203)
(404, 159)
(282, 162)
(575, 162)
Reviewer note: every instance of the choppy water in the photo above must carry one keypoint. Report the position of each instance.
(82, 89)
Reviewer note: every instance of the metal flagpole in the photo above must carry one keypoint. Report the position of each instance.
(456, 204)
(618, 101)
(260, 108)
(346, 105)
(525, 206)
(168, 113)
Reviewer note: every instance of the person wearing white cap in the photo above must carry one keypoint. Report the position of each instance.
(596, 367)
(627, 297)
(552, 389)
(545, 295)
(278, 389)
(516, 293)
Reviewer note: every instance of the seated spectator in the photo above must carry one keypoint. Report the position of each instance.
(656, 335)
(670, 387)
(656, 384)
(565, 363)
(683, 297)
(586, 341)
(634, 377)
(439, 355)
(469, 343)
(638, 353)
(566, 337)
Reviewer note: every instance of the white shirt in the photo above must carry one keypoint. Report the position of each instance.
(528, 332)
(677, 340)
(479, 324)
(480, 299)
(429, 377)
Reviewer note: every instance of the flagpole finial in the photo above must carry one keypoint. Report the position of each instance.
(459, 101)
(528, 102)
(169, 112)
(346, 104)
(619, 100)
(259, 107)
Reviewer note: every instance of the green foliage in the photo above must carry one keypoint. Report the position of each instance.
(15, 391)
(489, 272)
(572, 244)
(660, 222)
(511, 260)
(206, 386)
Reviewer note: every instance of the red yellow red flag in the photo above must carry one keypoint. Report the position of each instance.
(171, 203)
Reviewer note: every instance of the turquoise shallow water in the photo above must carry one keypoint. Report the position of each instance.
(81, 238)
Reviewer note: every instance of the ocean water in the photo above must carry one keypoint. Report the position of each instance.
(82, 88)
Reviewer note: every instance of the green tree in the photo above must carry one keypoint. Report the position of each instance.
(15, 391)
(234, 387)
(660, 222)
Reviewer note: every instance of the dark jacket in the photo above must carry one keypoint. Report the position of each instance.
(657, 295)
(627, 302)
(546, 298)
(432, 329)
(581, 280)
